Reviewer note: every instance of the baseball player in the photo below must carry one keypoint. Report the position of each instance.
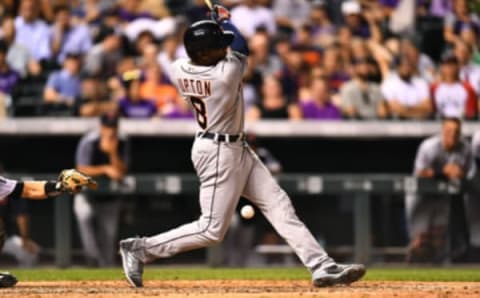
(211, 80)
(68, 181)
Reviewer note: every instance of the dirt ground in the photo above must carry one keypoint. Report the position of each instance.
(240, 289)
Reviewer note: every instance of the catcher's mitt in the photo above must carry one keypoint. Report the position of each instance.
(73, 181)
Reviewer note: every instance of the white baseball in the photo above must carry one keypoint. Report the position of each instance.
(247, 211)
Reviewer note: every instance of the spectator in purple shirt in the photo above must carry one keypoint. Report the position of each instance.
(8, 77)
(8, 80)
(133, 105)
(320, 106)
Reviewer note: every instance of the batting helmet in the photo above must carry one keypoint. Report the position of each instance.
(205, 35)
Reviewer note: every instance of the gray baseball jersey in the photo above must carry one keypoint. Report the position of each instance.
(214, 92)
(227, 170)
(432, 154)
(6, 187)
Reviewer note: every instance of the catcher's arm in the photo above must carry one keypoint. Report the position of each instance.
(69, 181)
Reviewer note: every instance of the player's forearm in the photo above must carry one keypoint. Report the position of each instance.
(118, 163)
(93, 170)
(23, 226)
(37, 190)
(239, 43)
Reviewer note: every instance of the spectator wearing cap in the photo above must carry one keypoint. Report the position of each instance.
(361, 98)
(257, 15)
(320, 106)
(103, 154)
(406, 94)
(274, 104)
(103, 57)
(133, 105)
(446, 156)
(451, 97)
(67, 37)
(460, 18)
(355, 22)
(469, 71)
(63, 86)
(18, 56)
(8, 80)
(32, 32)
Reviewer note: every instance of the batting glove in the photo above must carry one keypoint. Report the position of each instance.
(219, 14)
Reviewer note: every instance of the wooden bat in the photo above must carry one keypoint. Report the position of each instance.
(209, 4)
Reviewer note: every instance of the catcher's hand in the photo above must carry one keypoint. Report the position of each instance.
(73, 181)
(219, 13)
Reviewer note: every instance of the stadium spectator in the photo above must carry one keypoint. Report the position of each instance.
(460, 18)
(451, 97)
(171, 50)
(8, 80)
(154, 87)
(18, 56)
(31, 31)
(469, 71)
(320, 107)
(94, 100)
(335, 67)
(361, 98)
(266, 63)
(258, 16)
(252, 83)
(131, 10)
(102, 154)
(291, 14)
(425, 66)
(407, 95)
(103, 57)
(446, 156)
(274, 105)
(63, 86)
(67, 37)
(354, 21)
(133, 105)
(291, 73)
(323, 31)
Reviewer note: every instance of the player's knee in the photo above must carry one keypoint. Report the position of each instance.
(214, 235)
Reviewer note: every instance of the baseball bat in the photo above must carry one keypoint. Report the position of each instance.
(209, 4)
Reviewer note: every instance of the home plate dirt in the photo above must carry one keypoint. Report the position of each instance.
(240, 289)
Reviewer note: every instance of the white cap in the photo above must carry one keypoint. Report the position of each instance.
(351, 7)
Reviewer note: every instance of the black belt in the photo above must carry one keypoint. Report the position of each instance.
(220, 137)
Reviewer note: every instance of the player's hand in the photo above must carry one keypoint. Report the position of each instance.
(219, 14)
(113, 173)
(453, 171)
(30, 245)
(73, 181)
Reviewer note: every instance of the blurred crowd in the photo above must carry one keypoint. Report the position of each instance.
(310, 59)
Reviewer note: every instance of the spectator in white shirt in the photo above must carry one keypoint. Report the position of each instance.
(31, 32)
(291, 13)
(469, 71)
(407, 95)
(451, 97)
(67, 37)
(250, 16)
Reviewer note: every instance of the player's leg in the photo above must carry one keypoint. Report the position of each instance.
(108, 214)
(84, 213)
(264, 191)
(6, 279)
(220, 170)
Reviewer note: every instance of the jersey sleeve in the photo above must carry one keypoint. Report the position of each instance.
(424, 158)
(6, 187)
(84, 152)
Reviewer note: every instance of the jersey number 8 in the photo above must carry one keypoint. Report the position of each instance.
(200, 111)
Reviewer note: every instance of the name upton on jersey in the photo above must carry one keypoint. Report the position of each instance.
(198, 87)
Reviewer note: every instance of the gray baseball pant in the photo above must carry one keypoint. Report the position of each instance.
(226, 172)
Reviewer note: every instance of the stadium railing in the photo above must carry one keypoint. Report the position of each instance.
(359, 187)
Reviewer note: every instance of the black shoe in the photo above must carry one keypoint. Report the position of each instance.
(7, 280)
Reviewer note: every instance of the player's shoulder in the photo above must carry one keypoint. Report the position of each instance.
(90, 137)
(431, 144)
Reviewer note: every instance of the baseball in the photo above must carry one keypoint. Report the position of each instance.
(247, 211)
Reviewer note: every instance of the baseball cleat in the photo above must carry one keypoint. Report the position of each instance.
(7, 280)
(338, 274)
(132, 267)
